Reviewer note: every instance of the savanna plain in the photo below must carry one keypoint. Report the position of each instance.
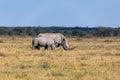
(93, 59)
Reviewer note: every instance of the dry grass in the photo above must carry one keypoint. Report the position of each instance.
(93, 59)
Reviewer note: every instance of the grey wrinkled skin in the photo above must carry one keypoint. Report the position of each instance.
(59, 39)
(43, 42)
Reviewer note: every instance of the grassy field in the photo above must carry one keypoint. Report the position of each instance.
(93, 59)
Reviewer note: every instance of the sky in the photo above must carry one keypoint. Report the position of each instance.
(68, 13)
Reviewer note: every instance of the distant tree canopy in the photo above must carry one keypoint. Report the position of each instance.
(67, 31)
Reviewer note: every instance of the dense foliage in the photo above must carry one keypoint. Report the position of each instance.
(67, 31)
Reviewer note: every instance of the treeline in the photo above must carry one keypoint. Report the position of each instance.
(67, 31)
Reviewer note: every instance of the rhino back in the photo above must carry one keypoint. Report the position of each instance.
(56, 36)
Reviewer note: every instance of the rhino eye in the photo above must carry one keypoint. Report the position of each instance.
(63, 39)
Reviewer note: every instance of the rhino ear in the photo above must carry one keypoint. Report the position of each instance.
(64, 41)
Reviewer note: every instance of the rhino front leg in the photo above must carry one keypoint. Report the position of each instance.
(46, 47)
(53, 47)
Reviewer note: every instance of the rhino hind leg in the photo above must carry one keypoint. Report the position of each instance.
(37, 47)
(34, 47)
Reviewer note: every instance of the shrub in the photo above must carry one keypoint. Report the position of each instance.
(2, 54)
(45, 65)
(1, 41)
(57, 73)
